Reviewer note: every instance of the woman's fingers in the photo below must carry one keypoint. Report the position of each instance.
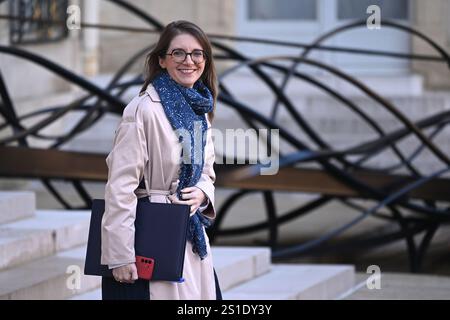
(174, 199)
(134, 273)
(190, 193)
(189, 189)
(192, 196)
(189, 202)
(192, 203)
(126, 274)
(193, 193)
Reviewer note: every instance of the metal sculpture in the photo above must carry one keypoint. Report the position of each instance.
(338, 177)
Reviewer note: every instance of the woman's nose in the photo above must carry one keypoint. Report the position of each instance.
(188, 56)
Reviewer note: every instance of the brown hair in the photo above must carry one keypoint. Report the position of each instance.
(173, 29)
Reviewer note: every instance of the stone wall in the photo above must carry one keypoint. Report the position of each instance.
(433, 19)
(27, 80)
(213, 16)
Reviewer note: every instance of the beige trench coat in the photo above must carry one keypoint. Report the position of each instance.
(143, 146)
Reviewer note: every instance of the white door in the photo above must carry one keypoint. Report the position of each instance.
(305, 20)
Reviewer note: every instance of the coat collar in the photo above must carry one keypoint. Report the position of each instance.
(152, 93)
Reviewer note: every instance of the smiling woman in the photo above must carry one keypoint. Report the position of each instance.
(186, 62)
(179, 94)
(184, 51)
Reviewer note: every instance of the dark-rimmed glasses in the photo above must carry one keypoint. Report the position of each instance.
(179, 55)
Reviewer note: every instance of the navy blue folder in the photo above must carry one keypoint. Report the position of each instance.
(160, 233)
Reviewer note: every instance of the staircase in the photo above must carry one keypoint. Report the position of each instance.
(42, 257)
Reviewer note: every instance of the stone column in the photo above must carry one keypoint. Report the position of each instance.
(433, 19)
(4, 25)
(90, 14)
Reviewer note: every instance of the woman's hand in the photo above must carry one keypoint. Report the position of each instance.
(193, 196)
(126, 274)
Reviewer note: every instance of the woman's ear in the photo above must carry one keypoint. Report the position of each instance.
(162, 62)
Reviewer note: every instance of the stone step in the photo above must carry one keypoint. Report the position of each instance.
(234, 266)
(95, 294)
(296, 282)
(284, 282)
(243, 82)
(16, 205)
(56, 277)
(400, 286)
(44, 234)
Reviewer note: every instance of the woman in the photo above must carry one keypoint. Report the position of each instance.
(159, 156)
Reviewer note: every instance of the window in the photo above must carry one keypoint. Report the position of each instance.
(282, 10)
(23, 32)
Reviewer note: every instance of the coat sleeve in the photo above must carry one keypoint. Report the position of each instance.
(126, 163)
(208, 177)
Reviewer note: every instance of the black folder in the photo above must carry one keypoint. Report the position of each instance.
(160, 234)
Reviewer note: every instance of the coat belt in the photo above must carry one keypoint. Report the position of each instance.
(158, 195)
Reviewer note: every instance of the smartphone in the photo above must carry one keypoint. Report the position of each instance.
(144, 267)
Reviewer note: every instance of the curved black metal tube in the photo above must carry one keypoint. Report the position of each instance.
(138, 12)
(63, 73)
(355, 244)
(212, 231)
(333, 93)
(425, 244)
(445, 56)
(87, 121)
(283, 218)
(324, 157)
(387, 201)
(414, 154)
(410, 244)
(271, 218)
(403, 119)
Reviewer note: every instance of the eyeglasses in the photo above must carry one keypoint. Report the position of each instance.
(179, 55)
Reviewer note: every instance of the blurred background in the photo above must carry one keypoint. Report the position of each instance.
(409, 72)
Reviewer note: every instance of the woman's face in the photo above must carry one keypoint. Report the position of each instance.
(187, 72)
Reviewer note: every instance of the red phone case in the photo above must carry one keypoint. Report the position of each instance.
(145, 267)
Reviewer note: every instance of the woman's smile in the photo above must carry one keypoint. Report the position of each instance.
(187, 72)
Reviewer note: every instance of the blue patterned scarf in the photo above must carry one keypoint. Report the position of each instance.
(184, 107)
